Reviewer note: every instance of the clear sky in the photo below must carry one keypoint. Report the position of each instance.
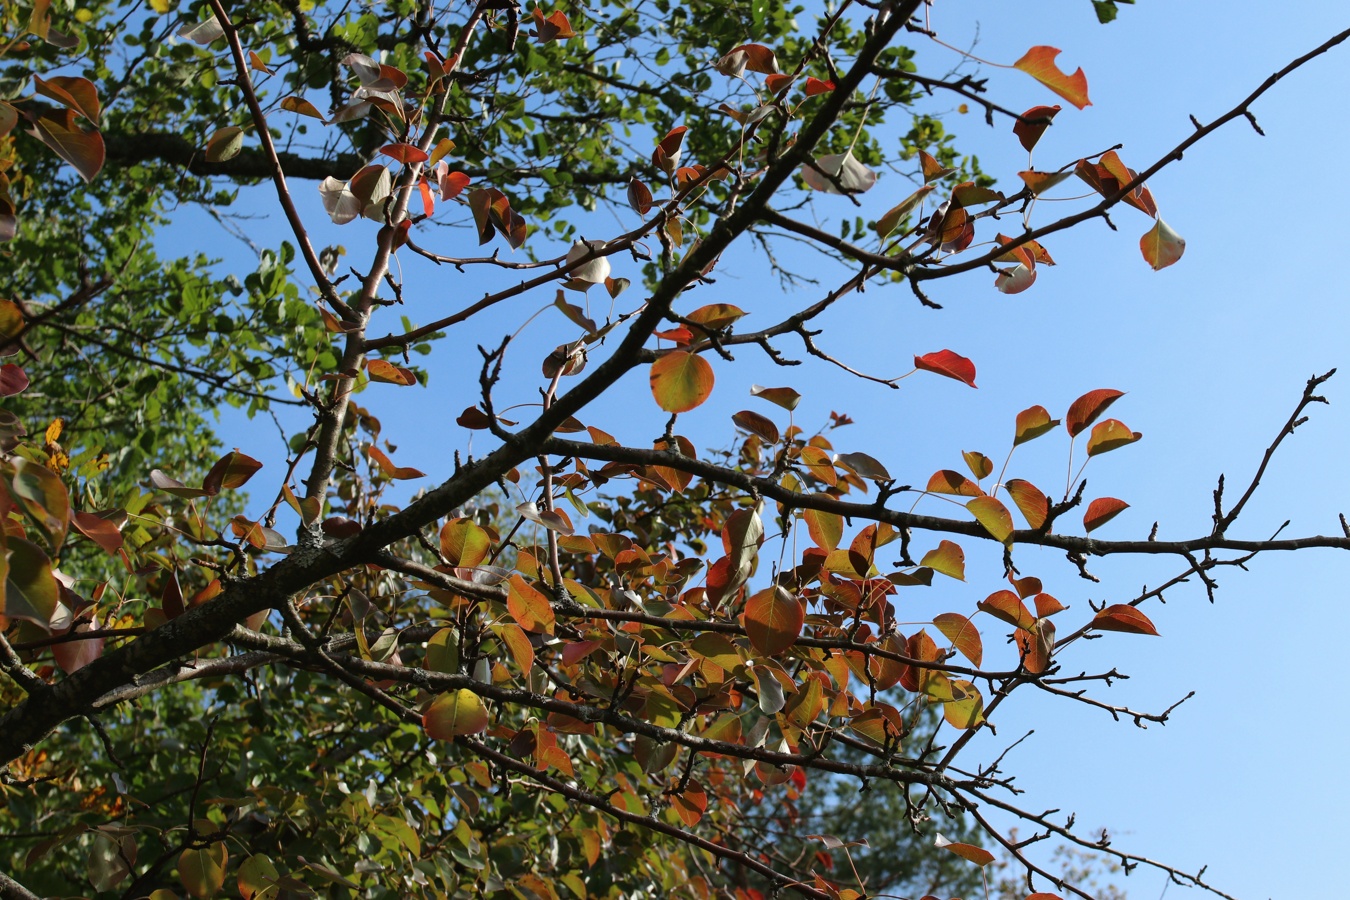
(1248, 777)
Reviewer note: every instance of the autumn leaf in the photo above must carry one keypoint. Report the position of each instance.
(681, 381)
(1123, 617)
(963, 634)
(1109, 435)
(773, 620)
(303, 107)
(397, 473)
(387, 372)
(994, 516)
(1161, 245)
(1085, 410)
(455, 713)
(945, 362)
(978, 855)
(947, 558)
(1031, 423)
(1039, 63)
(1101, 511)
(1033, 124)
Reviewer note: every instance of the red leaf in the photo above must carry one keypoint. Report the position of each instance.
(397, 473)
(13, 380)
(963, 634)
(452, 184)
(82, 149)
(1101, 511)
(639, 197)
(1035, 506)
(1123, 617)
(404, 153)
(949, 482)
(1039, 63)
(945, 362)
(1033, 124)
(99, 530)
(1088, 407)
(815, 86)
(232, 470)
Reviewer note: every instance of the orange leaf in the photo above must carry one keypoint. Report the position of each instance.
(681, 381)
(825, 528)
(761, 426)
(1007, 606)
(815, 86)
(552, 27)
(1109, 435)
(397, 473)
(773, 620)
(945, 362)
(1161, 245)
(978, 855)
(1039, 63)
(1088, 407)
(1101, 511)
(302, 107)
(387, 372)
(1047, 605)
(949, 482)
(963, 634)
(1034, 505)
(452, 184)
(1040, 182)
(528, 607)
(1032, 125)
(980, 465)
(404, 153)
(101, 531)
(1123, 617)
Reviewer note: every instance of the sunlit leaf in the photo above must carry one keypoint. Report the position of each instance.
(1039, 63)
(1161, 245)
(980, 465)
(773, 620)
(1034, 505)
(387, 372)
(551, 27)
(1101, 511)
(1123, 617)
(1110, 435)
(825, 528)
(748, 57)
(455, 713)
(1085, 410)
(681, 381)
(1040, 182)
(945, 362)
(993, 515)
(949, 482)
(256, 875)
(30, 589)
(303, 107)
(963, 634)
(1032, 423)
(528, 607)
(947, 558)
(101, 531)
(966, 709)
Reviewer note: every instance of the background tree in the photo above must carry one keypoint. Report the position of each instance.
(461, 693)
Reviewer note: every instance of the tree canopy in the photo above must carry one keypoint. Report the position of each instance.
(568, 663)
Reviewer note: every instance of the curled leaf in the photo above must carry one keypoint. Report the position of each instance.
(945, 362)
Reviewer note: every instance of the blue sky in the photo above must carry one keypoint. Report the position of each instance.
(1247, 777)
